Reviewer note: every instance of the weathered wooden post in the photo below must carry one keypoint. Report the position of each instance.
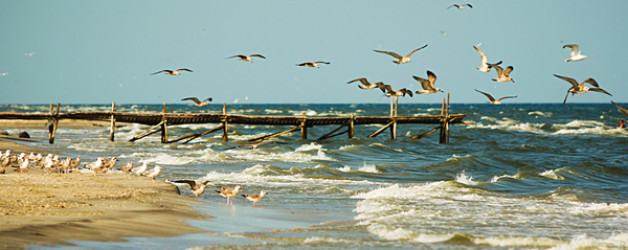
(351, 126)
(304, 127)
(444, 129)
(225, 125)
(113, 122)
(53, 123)
(393, 130)
(164, 126)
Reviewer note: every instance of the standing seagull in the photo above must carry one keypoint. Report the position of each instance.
(197, 189)
(246, 58)
(255, 198)
(400, 59)
(172, 72)
(484, 64)
(502, 75)
(580, 88)
(460, 6)
(197, 101)
(367, 85)
(492, 100)
(229, 193)
(575, 53)
(313, 64)
(428, 84)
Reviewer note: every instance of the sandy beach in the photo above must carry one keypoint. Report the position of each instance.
(40, 208)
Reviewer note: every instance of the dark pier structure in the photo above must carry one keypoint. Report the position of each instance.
(159, 122)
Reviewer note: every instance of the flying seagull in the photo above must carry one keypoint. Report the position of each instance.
(313, 64)
(492, 100)
(197, 101)
(575, 53)
(255, 198)
(502, 75)
(400, 59)
(580, 88)
(367, 85)
(428, 84)
(620, 108)
(246, 58)
(484, 63)
(197, 189)
(173, 72)
(460, 6)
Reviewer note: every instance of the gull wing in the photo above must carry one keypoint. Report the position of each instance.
(508, 70)
(165, 70)
(239, 56)
(322, 62)
(490, 97)
(393, 54)
(189, 182)
(506, 97)
(497, 68)
(362, 80)
(424, 82)
(209, 99)
(573, 82)
(620, 108)
(196, 100)
(600, 90)
(482, 55)
(564, 101)
(591, 81)
(184, 69)
(412, 52)
(574, 48)
(258, 55)
(431, 77)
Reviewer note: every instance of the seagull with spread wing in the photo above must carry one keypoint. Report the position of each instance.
(493, 100)
(400, 59)
(197, 101)
(580, 88)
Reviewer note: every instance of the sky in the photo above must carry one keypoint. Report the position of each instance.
(98, 52)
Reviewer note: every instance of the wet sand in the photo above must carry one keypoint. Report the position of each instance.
(38, 208)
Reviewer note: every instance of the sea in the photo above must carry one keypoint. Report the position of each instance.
(522, 176)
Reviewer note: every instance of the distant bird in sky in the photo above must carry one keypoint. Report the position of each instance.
(484, 62)
(172, 72)
(400, 59)
(246, 58)
(620, 108)
(460, 6)
(580, 88)
(427, 84)
(4, 74)
(502, 75)
(229, 193)
(313, 64)
(197, 189)
(197, 101)
(575, 53)
(367, 85)
(493, 100)
(255, 198)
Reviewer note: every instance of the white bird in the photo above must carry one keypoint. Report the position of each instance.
(171, 72)
(247, 58)
(153, 172)
(427, 84)
(255, 198)
(140, 170)
(580, 88)
(502, 75)
(400, 59)
(460, 6)
(575, 53)
(366, 84)
(197, 101)
(197, 189)
(229, 193)
(313, 64)
(493, 100)
(484, 61)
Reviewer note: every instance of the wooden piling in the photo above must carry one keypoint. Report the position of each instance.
(53, 123)
(164, 126)
(304, 127)
(225, 124)
(113, 122)
(444, 128)
(351, 126)
(393, 130)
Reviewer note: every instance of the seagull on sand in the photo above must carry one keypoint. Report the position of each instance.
(460, 6)
(400, 59)
(575, 53)
(580, 88)
(172, 72)
(153, 172)
(140, 170)
(197, 189)
(197, 101)
(127, 168)
(366, 84)
(502, 75)
(255, 198)
(484, 64)
(229, 193)
(492, 100)
(246, 58)
(428, 84)
(313, 64)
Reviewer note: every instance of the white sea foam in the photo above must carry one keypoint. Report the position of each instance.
(539, 113)
(572, 127)
(464, 179)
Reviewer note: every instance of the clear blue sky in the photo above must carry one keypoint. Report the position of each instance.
(102, 51)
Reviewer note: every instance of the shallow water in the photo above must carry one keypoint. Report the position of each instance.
(522, 176)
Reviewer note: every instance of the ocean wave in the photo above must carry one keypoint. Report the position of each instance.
(572, 127)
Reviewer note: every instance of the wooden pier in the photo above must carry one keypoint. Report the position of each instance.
(159, 122)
